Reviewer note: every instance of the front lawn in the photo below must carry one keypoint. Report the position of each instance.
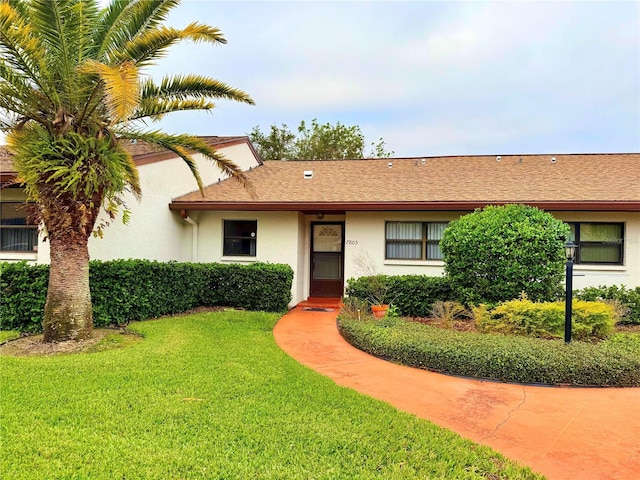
(211, 396)
(8, 335)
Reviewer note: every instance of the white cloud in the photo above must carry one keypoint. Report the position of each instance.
(441, 77)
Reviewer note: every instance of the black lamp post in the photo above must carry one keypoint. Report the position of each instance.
(570, 251)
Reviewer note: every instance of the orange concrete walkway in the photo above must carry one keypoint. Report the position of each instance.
(563, 433)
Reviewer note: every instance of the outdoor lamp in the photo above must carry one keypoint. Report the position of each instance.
(570, 252)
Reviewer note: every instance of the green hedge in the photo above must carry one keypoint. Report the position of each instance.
(615, 362)
(412, 295)
(546, 319)
(129, 290)
(22, 295)
(629, 298)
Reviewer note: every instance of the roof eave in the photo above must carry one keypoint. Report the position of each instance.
(579, 206)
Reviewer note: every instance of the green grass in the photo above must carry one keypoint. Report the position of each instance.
(8, 335)
(211, 396)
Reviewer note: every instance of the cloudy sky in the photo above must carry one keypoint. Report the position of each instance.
(431, 78)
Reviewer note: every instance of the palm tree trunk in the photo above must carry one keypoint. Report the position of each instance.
(67, 313)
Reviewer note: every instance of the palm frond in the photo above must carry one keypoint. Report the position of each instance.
(21, 49)
(182, 145)
(156, 108)
(52, 23)
(182, 87)
(20, 108)
(122, 166)
(150, 46)
(121, 87)
(74, 163)
(22, 7)
(17, 92)
(109, 20)
(86, 16)
(124, 20)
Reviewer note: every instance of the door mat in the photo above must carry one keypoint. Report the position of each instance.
(317, 309)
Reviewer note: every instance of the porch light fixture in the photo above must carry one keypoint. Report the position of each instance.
(570, 253)
(570, 250)
(319, 215)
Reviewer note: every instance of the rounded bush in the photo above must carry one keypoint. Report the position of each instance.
(546, 319)
(497, 253)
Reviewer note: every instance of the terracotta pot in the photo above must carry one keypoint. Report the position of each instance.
(379, 311)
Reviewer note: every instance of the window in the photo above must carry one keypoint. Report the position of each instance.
(414, 240)
(240, 237)
(16, 234)
(598, 243)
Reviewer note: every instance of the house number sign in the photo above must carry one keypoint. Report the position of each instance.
(351, 242)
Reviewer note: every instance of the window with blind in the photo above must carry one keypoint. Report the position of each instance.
(240, 237)
(414, 240)
(16, 234)
(598, 243)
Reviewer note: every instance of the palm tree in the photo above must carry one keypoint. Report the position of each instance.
(71, 86)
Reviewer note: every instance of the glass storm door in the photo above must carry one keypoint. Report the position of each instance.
(327, 267)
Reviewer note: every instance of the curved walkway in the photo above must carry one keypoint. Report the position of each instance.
(563, 433)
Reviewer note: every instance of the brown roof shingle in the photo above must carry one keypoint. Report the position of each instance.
(479, 179)
(136, 149)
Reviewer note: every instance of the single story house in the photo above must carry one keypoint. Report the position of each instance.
(336, 219)
(153, 232)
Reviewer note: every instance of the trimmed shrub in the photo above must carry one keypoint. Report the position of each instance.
(129, 290)
(546, 320)
(495, 254)
(259, 286)
(22, 295)
(613, 363)
(629, 298)
(412, 295)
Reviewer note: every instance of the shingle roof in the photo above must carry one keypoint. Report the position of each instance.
(5, 160)
(472, 179)
(136, 149)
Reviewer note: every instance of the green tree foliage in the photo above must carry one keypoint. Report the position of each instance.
(71, 87)
(495, 254)
(315, 142)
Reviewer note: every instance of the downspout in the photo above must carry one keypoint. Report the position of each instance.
(194, 235)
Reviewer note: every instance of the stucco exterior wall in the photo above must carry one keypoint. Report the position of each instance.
(301, 274)
(154, 232)
(365, 236)
(278, 240)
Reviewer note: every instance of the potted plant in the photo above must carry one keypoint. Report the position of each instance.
(379, 311)
(378, 295)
